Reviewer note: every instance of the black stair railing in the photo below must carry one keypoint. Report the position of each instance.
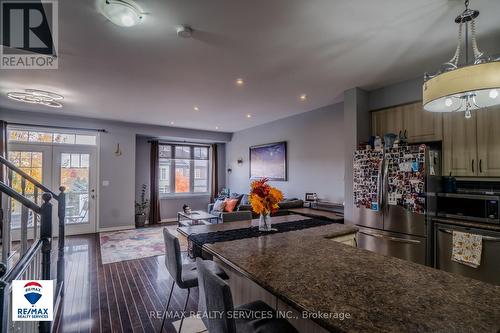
(34, 259)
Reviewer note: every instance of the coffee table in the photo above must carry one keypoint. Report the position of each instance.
(197, 217)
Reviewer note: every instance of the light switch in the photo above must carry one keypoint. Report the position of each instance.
(105, 183)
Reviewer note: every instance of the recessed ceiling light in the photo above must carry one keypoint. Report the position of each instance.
(196, 108)
(303, 97)
(216, 127)
(124, 13)
(36, 96)
(249, 115)
(240, 82)
(171, 123)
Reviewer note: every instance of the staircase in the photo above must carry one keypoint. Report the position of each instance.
(30, 257)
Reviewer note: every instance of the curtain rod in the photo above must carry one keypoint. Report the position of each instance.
(180, 143)
(100, 130)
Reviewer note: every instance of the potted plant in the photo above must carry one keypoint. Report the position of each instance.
(141, 207)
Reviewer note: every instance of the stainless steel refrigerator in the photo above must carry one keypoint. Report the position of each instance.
(390, 200)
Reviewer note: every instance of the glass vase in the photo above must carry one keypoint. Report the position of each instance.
(265, 222)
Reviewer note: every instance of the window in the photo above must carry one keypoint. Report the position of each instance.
(185, 167)
(50, 137)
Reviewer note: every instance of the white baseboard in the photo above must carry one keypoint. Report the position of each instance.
(125, 227)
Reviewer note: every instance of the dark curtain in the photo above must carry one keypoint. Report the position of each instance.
(215, 179)
(3, 152)
(154, 197)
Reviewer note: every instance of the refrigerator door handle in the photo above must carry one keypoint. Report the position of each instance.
(485, 238)
(384, 185)
(394, 239)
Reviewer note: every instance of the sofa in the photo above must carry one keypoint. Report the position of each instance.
(243, 210)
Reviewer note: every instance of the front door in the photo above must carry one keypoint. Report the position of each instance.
(75, 168)
(36, 161)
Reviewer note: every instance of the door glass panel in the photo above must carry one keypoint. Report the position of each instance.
(75, 177)
(31, 163)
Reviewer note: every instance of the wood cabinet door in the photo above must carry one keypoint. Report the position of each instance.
(387, 121)
(459, 145)
(488, 141)
(422, 126)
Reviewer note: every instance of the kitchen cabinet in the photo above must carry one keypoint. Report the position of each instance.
(387, 121)
(459, 145)
(420, 126)
(488, 142)
(471, 147)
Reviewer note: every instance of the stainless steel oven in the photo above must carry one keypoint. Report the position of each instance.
(488, 270)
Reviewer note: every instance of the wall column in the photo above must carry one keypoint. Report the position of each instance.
(357, 124)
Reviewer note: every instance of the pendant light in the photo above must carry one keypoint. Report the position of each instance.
(463, 85)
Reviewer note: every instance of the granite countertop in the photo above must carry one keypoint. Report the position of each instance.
(381, 294)
(468, 224)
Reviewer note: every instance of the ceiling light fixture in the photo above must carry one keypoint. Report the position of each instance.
(303, 97)
(36, 96)
(467, 86)
(123, 13)
(184, 31)
(171, 123)
(196, 108)
(249, 115)
(240, 82)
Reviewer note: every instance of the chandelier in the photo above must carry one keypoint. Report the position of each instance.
(36, 96)
(462, 85)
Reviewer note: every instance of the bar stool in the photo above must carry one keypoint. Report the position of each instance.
(219, 300)
(185, 276)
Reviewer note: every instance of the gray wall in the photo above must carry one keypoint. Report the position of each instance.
(357, 120)
(116, 201)
(315, 153)
(170, 206)
(396, 94)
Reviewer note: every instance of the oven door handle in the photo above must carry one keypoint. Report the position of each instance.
(394, 239)
(485, 238)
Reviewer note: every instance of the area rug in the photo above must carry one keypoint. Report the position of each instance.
(135, 243)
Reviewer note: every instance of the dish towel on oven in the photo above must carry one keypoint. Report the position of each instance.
(467, 248)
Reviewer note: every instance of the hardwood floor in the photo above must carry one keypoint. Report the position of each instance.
(126, 296)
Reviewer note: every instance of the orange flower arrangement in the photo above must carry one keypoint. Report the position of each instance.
(264, 198)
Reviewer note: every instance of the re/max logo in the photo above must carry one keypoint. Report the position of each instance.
(27, 312)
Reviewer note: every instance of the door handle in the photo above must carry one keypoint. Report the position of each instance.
(480, 166)
(485, 238)
(472, 165)
(394, 239)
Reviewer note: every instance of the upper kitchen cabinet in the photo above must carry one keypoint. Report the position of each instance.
(420, 126)
(459, 145)
(387, 121)
(488, 141)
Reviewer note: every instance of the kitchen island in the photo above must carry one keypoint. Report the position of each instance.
(346, 289)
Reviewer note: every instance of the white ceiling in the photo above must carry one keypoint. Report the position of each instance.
(282, 48)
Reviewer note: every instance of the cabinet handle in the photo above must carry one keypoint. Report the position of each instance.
(481, 166)
(472, 166)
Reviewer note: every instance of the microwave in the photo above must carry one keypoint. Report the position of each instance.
(470, 207)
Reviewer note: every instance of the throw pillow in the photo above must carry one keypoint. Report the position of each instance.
(237, 196)
(230, 205)
(244, 200)
(219, 206)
